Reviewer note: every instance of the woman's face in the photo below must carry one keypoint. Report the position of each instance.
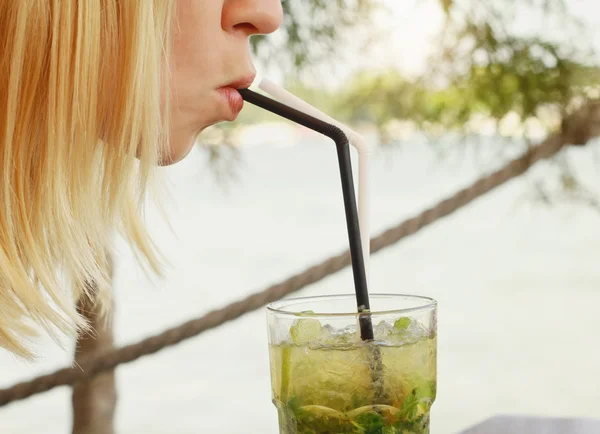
(211, 58)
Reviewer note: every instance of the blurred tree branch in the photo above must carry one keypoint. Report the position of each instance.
(495, 71)
(311, 32)
(489, 74)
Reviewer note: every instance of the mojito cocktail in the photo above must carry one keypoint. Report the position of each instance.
(326, 380)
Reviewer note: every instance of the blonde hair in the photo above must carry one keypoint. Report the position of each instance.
(80, 131)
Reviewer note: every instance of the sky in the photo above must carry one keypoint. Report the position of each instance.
(408, 36)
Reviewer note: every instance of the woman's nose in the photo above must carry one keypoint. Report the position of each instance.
(252, 16)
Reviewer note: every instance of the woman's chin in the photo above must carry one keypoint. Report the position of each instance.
(176, 152)
(182, 141)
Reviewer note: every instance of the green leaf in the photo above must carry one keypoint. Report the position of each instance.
(293, 405)
(410, 405)
(421, 397)
(402, 323)
(427, 390)
(371, 423)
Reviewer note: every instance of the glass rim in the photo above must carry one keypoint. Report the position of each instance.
(278, 308)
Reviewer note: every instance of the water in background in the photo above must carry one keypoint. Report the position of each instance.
(518, 287)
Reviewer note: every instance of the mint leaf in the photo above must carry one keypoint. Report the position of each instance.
(402, 323)
(410, 405)
(371, 423)
(427, 390)
(294, 405)
(420, 397)
(418, 426)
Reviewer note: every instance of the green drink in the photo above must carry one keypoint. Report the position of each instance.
(326, 380)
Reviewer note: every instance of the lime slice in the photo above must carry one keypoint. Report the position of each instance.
(286, 356)
(323, 412)
(384, 410)
(374, 418)
(323, 419)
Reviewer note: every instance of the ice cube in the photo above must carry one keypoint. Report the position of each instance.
(417, 330)
(332, 337)
(383, 331)
(350, 330)
(329, 330)
(328, 336)
(407, 331)
(305, 331)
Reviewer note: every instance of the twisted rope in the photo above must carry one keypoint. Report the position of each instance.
(111, 359)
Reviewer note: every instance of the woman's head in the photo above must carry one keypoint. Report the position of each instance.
(93, 94)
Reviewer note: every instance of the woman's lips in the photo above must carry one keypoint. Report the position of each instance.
(233, 99)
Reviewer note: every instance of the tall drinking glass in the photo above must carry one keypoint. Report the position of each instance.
(325, 379)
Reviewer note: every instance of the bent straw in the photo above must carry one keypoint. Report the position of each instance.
(356, 140)
(345, 165)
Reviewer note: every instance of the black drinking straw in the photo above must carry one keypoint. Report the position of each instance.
(345, 163)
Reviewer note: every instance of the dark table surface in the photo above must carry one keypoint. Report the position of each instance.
(535, 425)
